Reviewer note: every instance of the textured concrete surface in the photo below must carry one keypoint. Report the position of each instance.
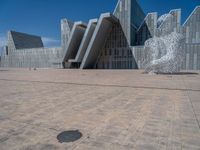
(113, 110)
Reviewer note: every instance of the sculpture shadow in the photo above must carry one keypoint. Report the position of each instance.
(177, 73)
(180, 73)
(69, 136)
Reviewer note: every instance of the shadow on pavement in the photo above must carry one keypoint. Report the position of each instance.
(177, 73)
(180, 73)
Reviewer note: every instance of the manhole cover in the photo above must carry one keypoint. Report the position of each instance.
(69, 136)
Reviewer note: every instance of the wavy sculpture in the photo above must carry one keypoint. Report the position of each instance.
(164, 53)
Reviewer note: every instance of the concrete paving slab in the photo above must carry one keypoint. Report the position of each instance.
(113, 109)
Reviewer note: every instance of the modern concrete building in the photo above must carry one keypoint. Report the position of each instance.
(112, 41)
(25, 51)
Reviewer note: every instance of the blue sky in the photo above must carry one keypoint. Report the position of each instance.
(42, 17)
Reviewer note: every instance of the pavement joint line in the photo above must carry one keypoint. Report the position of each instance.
(96, 128)
(12, 134)
(195, 115)
(33, 125)
(104, 85)
(193, 109)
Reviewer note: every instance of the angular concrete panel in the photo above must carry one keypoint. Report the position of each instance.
(85, 41)
(66, 28)
(126, 11)
(147, 29)
(24, 40)
(191, 27)
(102, 29)
(191, 30)
(171, 23)
(74, 42)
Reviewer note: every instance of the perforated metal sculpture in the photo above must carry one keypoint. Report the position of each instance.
(163, 52)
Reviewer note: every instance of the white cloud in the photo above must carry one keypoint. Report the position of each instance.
(50, 42)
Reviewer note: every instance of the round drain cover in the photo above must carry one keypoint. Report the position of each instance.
(69, 136)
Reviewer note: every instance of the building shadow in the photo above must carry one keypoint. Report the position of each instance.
(177, 73)
(3, 70)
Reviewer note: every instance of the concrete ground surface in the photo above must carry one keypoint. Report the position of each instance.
(113, 109)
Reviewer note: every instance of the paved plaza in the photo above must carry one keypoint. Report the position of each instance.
(111, 109)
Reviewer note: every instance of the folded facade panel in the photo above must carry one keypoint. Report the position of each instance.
(74, 42)
(98, 40)
(85, 41)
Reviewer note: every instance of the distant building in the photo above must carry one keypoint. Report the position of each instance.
(113, 41)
